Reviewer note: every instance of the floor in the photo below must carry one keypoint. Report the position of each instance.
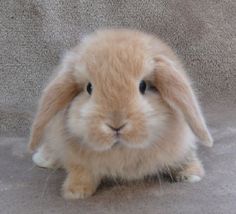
(25, 188)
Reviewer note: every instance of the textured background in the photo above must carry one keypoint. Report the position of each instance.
(33, 36)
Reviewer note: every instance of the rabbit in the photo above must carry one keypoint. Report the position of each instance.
(120, 106)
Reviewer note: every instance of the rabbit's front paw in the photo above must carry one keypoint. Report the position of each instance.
(78, 184)
(77, 191)
(191, 172)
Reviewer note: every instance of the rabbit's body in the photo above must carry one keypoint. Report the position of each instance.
(130, 109)
(60, 150)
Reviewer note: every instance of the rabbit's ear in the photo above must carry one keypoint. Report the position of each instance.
(59, 92)
(176, 90)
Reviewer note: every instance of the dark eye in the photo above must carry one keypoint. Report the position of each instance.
(89, 88)
(142, 87)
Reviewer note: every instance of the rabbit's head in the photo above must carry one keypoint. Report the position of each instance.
(121, 87)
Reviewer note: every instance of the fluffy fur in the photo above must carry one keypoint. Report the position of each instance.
(75, 129)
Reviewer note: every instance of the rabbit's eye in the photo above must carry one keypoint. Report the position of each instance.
(89, 88)
(142, 87)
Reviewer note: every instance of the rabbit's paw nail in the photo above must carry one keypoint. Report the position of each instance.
(188, 178)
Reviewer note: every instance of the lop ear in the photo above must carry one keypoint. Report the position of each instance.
(176, 90)
(59, 92)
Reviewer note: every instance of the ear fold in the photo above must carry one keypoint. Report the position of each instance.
(60, 91)
(176, 90)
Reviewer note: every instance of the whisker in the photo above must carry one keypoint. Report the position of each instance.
(45, 188)
(169, 173)
(31, 168)
(159, 179)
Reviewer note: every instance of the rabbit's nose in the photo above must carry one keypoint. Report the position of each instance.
(116, 129)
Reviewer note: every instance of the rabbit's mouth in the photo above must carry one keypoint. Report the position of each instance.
(117, 140)
(116, 144)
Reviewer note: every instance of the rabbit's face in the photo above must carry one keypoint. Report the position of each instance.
(117, 105)
(121, 87)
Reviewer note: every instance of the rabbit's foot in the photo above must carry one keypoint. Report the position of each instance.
(44, 158)
(191, 172)
(79, 184)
